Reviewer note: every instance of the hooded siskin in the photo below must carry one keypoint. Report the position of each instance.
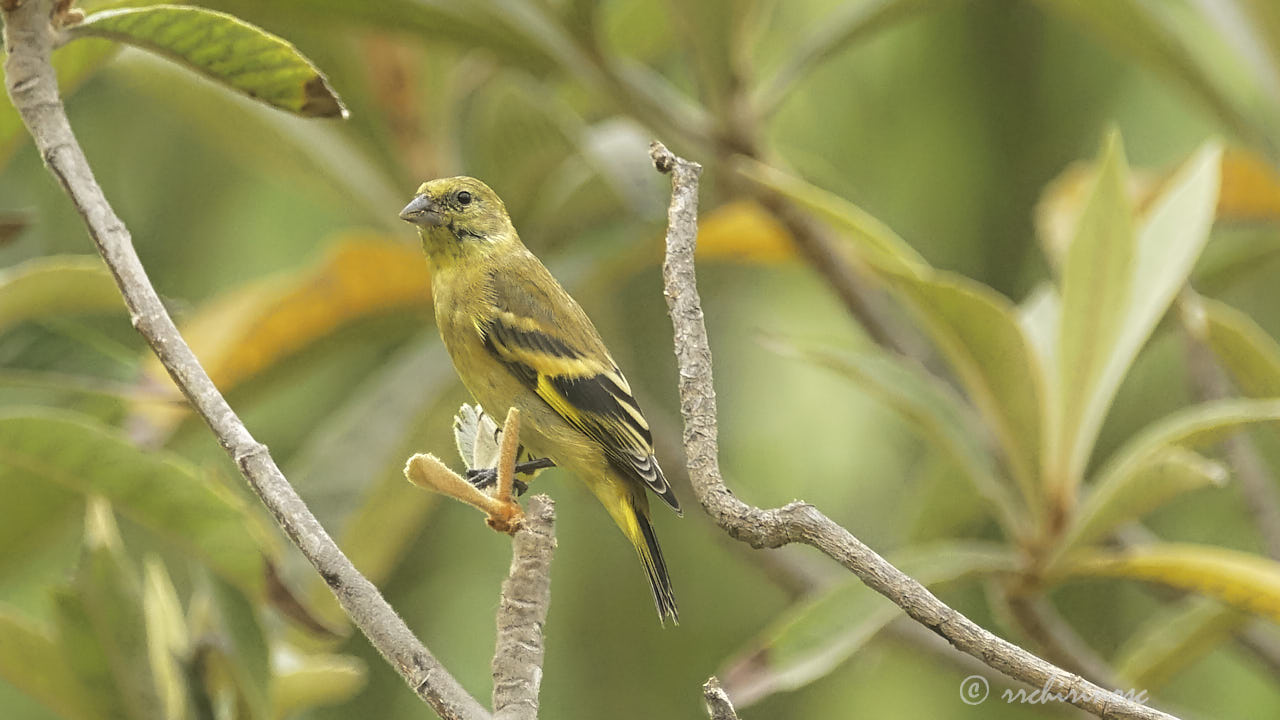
(518, 339)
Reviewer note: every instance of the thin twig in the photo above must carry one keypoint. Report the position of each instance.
(718, 705)
(507, 451)
(1257, 485)
(799, 521)
(522, 612)
(32, 85)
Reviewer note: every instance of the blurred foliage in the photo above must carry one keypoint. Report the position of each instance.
(1049, 442)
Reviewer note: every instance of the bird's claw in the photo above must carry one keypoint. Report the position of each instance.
(484, 478)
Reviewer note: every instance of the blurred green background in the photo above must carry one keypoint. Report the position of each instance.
(274, 240)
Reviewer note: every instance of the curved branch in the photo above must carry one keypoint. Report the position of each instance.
(29, 35)
(800, 522)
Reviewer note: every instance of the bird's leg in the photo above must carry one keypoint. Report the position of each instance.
(483, 478)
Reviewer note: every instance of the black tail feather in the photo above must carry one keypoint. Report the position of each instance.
(656, 568)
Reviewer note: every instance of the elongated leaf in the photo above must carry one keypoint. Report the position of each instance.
(1242, 346)
(31, 661)
(225, 49)
(317, 680)
(978, 331)
(874, 243)
(154, 490)
(167, 639)
(1169, 239)
(1140, 29)
(1175, 638)
(851, 23)
(102, 627)
(1167, 474)
(1097, 278)
(812, 638)
(241, 636)
(938, 414)
(56, 285)
(1125, 477)
(976, 327)
(253, 327)
(743, 231)
(1243, 580)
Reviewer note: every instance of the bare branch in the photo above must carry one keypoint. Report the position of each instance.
(799, 521)
(522, 611)
(1257, 485)
(29, 37)
(718, 705)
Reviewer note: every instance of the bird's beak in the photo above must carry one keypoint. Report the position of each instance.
(421, 210)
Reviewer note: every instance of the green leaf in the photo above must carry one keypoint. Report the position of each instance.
(813, 637)
(1243, 580)
(242, 639)
(1169, 239)
(833, 33)
(1241, 345)
(155, 490)
(1167, 474)
(31, 661)
(1119, 487)
(940, 416)
(1142, 30)
(56, 285)
(318, 680)
(1174, 638)
(874, 242)
(975, 327)
(224, 49)
(1096, 280)
(168, 643)
(102, 628)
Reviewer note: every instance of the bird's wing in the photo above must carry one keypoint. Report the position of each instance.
(571, 370)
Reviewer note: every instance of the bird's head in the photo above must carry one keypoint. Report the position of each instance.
(458, 218)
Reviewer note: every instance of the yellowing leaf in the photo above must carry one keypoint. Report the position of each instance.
(225, 49)
(1250, 187)
(745, 232)
(250, 328)
(1249, 192)
(1246, 581)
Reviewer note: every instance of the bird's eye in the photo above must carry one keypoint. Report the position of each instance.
(464, 198)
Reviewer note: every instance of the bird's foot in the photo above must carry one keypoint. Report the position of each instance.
(484, 478)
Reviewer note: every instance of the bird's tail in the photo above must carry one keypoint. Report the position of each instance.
(651, 557)
(632, 516)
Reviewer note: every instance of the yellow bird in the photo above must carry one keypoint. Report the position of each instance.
(517, 339)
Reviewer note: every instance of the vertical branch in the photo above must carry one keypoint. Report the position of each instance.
(522, 611)
(800, 522)
(718, 705)
(29, 35)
